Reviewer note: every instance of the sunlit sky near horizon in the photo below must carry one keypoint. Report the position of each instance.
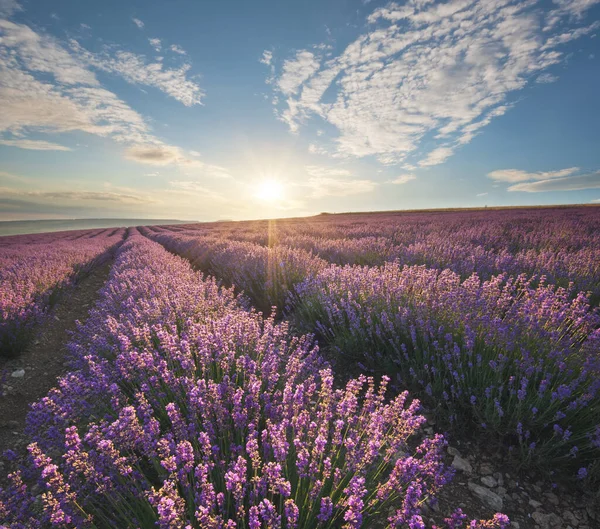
(237, 110)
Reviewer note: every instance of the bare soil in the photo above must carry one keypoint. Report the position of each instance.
(43, 362)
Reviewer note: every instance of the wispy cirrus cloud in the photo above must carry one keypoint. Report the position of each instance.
(427, 69)
(267, 57)
(136, 69)
(569, 183)
(34, 145)
(175, 48)
(70, 196)
(546, 78)
(437, 156)
(156, 44)
(569, 179)
(516, 175)
(402, 179)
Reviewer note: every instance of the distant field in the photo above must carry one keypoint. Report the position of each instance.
(20, 227)
(198, 394)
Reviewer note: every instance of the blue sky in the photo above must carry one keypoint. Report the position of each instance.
(236, 109)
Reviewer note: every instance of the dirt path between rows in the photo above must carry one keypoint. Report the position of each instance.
(43, 362)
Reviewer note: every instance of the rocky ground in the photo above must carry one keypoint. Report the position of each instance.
(484, 484)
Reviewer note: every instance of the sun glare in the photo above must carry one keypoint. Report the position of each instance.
(270, 191)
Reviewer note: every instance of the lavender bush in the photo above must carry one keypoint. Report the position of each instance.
(266, 275)
(520, 361)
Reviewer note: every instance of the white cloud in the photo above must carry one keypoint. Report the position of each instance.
(155, 43)
(437, 156)
(21, 48)
(177, 49)
(266, 58)
(437, 69)
(402, 179)
(34, 145)
(316, 149)
(546, 78)
(481, 194)
(570, 183)
(516, 175)
(572, 9)
(19, 44)
(596, 201)
(296, 71)
(138, 23)
(29, 104)
(136, 70)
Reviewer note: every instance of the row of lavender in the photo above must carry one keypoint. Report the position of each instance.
(185, 410)
(516, 359)
(561, 244)
(33, 273)
(8, 241)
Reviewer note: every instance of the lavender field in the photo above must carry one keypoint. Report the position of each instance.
(278, 374)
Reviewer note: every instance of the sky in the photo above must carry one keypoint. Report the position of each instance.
(204, 111)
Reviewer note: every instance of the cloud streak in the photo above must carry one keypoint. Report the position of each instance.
(570, 183)
(34, 145)
(93, 196)
(516, 175)
(402, 179)
(160, 154)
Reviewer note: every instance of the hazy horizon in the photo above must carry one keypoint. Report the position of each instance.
(25, 227)
(254, 110)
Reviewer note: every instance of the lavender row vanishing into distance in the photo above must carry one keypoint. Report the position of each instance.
(185, 409)
(32, 276)
(562, 244)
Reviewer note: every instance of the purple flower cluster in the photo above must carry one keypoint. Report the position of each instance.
(266, 275)
(34, 270)
(185, 410)
(562, 244)
(521, 358)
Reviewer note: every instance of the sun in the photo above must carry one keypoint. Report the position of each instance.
(270, 190)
